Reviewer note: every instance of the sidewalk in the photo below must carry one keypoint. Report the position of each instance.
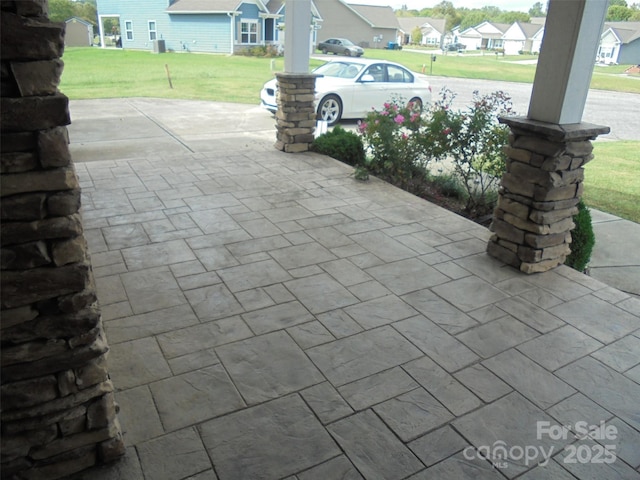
(269, 317)
(616, 255)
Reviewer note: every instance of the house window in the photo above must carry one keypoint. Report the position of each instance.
(128, 30)
(249, 32)
(153, 33)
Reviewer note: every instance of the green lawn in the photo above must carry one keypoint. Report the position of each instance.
(106, 73)
(612, 179)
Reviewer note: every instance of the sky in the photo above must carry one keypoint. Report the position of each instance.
(509, 5)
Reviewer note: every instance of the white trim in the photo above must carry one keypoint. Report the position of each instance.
(126, 31)
(249, 21)
(101, 28)
(155, 30)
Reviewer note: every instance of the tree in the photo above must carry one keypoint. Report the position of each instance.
(511, 17)
(471, 19)
(61, 10)
(537, 10)
(447, 11)
(88, 12)
(621, 3)
(416, 36)
(619, 13)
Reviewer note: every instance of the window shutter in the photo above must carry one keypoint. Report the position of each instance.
(238, 30)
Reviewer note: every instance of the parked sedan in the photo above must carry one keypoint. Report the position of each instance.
(350, 88)
(454, 47)
(340, 46)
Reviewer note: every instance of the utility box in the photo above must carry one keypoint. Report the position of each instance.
(159, 46)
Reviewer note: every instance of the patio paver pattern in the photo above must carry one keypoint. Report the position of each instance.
(271, 317)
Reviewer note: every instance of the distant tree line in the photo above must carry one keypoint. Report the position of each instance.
(463, 17)
(61, 10)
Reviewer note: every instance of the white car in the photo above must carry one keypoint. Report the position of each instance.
(351, 87)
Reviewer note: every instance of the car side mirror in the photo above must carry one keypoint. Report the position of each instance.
(368, 78)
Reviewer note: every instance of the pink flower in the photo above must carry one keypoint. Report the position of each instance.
(414, 117)
(386, 105)
(399, 119)
(384, 112)
(362, 126)
(446, 131)
(405, 136)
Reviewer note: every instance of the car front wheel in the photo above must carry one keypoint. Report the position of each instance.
(330, 109)
(324, 50)
(417, 103)
(347, 53)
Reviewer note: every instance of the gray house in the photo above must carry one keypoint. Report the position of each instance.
(369, 26)
(620, 43)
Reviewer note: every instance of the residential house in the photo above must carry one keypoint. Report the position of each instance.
(229, 26)
(519, 38)
(485, 36)
(620, 43)
(433, 30)
(369, 26)
(536, 41)
(78, 33)
(211, 26)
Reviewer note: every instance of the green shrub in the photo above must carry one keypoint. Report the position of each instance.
(449, 185)
(582, 239)
(341, 145)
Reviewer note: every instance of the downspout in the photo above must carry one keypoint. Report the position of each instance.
(232, 17)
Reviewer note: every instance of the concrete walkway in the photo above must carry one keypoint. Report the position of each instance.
(271, 317)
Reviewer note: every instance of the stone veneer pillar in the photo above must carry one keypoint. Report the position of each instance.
(296, 115)
(539, 192)
(58, 411)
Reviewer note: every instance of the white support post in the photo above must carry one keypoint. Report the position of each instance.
(566, 62)
(297, 19)
(101, 30)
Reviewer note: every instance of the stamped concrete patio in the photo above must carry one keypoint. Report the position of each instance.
(271, 317)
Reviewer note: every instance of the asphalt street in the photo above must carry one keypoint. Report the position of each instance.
(615, 109)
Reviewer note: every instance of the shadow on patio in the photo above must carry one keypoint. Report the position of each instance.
(271, 317)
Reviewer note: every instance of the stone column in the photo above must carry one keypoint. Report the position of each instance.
(58, 410)
(296, 115)
(540, 191)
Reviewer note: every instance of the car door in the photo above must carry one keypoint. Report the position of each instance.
(401, 84)
(371, 89)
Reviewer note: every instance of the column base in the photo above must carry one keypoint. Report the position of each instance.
(296, 115)
(539, 192)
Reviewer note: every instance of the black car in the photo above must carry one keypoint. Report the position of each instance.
(454, 47)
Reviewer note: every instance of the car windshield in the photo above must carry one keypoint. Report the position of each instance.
(347, 43)
(339, 69)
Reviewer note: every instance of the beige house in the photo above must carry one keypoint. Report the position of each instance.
(433, 30)
(485, 36)
(79, 33)
(369, 26)
(521, 38)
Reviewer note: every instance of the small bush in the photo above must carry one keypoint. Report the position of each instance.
(582, 239)
(341, 145)
(449, 185)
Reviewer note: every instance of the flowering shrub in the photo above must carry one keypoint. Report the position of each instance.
(473, 140)
(392, 141)
(401, 141)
